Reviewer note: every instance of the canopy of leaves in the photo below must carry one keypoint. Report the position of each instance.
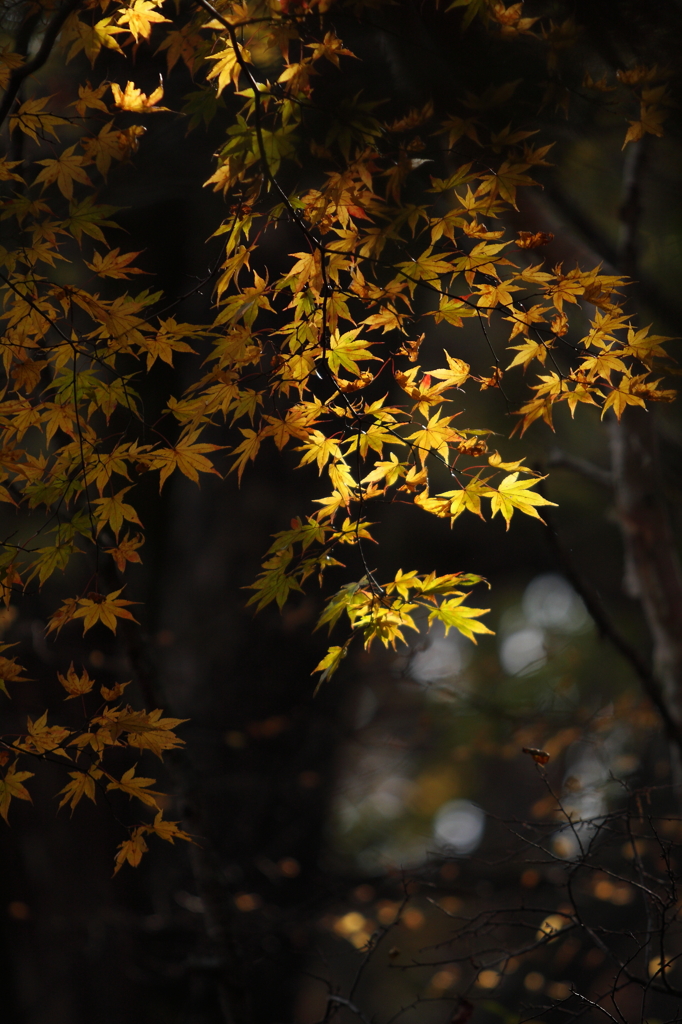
(400, 219)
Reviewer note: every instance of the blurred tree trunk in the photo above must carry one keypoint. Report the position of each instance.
(653, 573)
(260, 750)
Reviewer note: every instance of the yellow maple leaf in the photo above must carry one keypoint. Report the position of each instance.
(135, 786)
(92, 38)
(227, 67)
(622, 396)
(11, 786)
(30, 118)
(187, 456)
(135, 101)
(113, 511)
(168, 830)
(140, 16)
(435, 436)
(43, 738)
(455, 615)
(150, 731)
(110, 144)
(74, 684)
(514, 493)
(82, 784)
(113, 692)
(97, 608)
(10, 670)
(89, 98)
(330, 663)
(319, 448)
(114, 264)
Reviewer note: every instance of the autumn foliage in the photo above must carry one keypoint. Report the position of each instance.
(401, 221)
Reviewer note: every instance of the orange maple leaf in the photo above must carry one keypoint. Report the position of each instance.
(126, 551)
(131, 850)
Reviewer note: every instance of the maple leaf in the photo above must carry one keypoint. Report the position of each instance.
(11, 786)
(98, 608)
(602, 365)
(330, 663)
(74, 684)
(490, 295)
(89, 98)
(26, 375)
(479, 259)
(167, 341)
(113, 692)
(31, 118)
(88, 218)
(346, 349)
(168, 830)
(427, 268)
(135, 786)
(43, 738)
(566, 288)
(320, 449)
(455, 615)
(126, 551)
(150, 731)
(131, 850)
(7, 172)
(62, 615)
(10, 670)
(114, 264)
(110, 144)
(331, 47)
(644, 346)
(651, 118)
(65, 170)
(113, 511)
(187, 456)
(474, 7)
(467, 498)
(523, 320)
(182, 43)
(529, 351)
(532, 240)
(514, 493)
(8, 62)
(505, 182)
(622, 396)
(227, 68)
(82, 784)
(140, 17)
(93, 38)
(435, 436)
(247, 450)
(134, 100)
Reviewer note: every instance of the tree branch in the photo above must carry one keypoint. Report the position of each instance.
(562, 460)
(608, 630)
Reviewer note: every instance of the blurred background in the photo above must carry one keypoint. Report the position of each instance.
(398, 802)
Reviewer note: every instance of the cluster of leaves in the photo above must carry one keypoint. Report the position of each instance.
(322, 359)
